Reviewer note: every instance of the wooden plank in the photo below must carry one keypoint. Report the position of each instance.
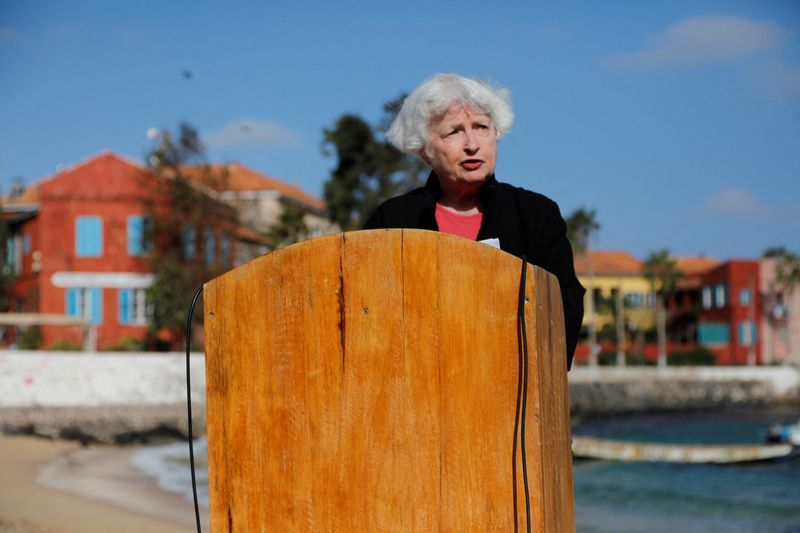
(271, 346)
(478, 353)
(556, 458)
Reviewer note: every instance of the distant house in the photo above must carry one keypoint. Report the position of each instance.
(76, 248)
(260, 199)
(730, 312)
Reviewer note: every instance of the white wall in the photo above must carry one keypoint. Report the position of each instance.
(78, 379)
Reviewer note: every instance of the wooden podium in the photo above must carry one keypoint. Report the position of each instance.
(367, 382)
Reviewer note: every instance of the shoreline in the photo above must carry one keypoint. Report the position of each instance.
(56, 486)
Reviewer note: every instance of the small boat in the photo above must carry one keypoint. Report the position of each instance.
(784, 433)
(590, 447)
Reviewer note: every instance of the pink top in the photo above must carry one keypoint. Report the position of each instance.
(463, 225)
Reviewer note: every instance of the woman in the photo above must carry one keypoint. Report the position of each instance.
(453, 124)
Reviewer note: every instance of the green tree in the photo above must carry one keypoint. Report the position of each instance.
(660, 270)
(368, 170)
(7, 268)
(290, 226)
(582, 225)
(178, 211)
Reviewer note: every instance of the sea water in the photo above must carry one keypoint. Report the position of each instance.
(613, 496)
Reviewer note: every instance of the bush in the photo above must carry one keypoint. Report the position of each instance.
(66, 346)
(31, 338)
(127, 344)
(698, 357)
(631, 359)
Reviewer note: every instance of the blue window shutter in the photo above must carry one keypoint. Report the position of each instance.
(135, 235)
(72, 302)
(225, 249)
(189, 242)
(97, 305)
(89, 236)
(123, 311)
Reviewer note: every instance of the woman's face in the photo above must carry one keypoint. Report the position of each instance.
(462, 149)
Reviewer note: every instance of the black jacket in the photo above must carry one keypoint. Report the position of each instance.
(527, 223)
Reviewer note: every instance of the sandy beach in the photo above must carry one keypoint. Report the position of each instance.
(60, 487)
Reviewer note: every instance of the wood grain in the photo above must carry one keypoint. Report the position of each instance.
(368, 381)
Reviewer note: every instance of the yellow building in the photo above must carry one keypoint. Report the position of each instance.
(605, 272)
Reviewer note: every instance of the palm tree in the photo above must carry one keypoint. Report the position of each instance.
(581, 226)
(787, 278)
(659, 269)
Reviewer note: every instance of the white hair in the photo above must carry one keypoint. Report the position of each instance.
(409, 130)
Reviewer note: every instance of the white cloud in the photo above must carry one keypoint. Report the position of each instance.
(252, 133)
(739, 203)
(703, 40)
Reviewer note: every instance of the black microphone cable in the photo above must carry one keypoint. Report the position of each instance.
(522, 331)
(189, 405)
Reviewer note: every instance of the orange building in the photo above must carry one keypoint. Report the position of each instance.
(76, 248)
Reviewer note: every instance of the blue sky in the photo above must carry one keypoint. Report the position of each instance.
(679, 122)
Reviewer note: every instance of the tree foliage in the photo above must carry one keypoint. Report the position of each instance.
(787, 272)
(368, 170)
(290, 227)
(178, 209)
(6, 267)
(660, 269)
(582, 224)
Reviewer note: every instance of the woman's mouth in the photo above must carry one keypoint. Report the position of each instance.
(472, 164)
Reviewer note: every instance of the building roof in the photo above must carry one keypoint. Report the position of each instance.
(97, 163)
(240, 178)
(693, 269)
(608, 263)
(696, 265)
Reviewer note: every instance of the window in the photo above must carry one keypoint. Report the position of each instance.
(210, 246)
(132, 307)
(713, 333)
(708, 301)
(748, 334)
(651, 299)
(137, 235)
(26, 244)
(86, 303)
(189, 242)
(89, 236)
(719, 295)
(634, 299)
(744, 297)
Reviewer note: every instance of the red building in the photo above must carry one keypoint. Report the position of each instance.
(77, 248)
(730, 312)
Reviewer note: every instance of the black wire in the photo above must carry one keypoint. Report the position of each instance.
(189, 405)
(524, 335)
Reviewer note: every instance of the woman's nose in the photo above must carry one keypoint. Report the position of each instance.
(470, 143)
